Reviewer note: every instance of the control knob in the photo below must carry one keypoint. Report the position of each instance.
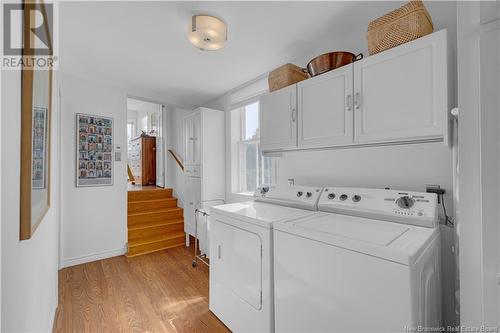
(405, 202)
(343, 197)
(308, 194)
(356, 198)
(331, 196)
(299, 194)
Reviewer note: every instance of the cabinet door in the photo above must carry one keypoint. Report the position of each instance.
(197, 138)
(192, 201)
(325, 109)
(401, 94)
(278, 119)
(188, 142)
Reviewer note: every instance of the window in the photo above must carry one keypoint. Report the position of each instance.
(250, 168)
(130, 130)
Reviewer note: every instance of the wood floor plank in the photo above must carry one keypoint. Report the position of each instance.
(157, 292)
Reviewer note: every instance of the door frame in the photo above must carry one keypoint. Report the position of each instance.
(479, 185)
(164, 129)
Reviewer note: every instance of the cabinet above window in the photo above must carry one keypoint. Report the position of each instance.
(397, 96)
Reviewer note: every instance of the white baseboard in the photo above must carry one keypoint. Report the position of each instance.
(92, 257)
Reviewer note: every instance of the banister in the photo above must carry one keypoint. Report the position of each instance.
(176, 159)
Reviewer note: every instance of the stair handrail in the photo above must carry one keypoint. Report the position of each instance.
(131, 177)
(174, 155)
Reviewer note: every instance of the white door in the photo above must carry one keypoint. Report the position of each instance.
(197, 138)
(325, 109)
(188, 140)
(479, 161)
(160, 170)
(401, 94)
(192, 200)
(278, 119)
(237, 261)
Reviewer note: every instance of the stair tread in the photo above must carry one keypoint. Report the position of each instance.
(152, 224)
(154, 200)
(156, 211)
(152, 194)
(128, 255)
(156, 238)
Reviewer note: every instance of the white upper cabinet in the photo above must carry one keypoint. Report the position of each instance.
(325, 109)
(192, 138)
(197, 138)
(401, 94)
(188, 140)
(278, 119)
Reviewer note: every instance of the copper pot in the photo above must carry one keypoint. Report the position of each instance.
(328, 61)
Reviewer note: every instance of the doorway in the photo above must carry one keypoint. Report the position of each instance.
(146, 144)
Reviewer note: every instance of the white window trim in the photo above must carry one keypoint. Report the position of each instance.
(134, 128)
(235, 188)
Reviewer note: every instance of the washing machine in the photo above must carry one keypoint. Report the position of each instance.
(368, 261)
(241, 292)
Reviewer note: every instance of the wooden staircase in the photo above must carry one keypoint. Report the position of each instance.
(154, 221)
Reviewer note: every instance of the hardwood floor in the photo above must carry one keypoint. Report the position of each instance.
(157, 292)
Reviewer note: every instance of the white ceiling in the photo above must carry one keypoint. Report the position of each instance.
(143, 45)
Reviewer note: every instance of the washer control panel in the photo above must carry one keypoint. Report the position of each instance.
(407, 207)
(306, 197)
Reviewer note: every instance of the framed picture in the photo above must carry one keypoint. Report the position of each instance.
(94, 150)
(36, 99)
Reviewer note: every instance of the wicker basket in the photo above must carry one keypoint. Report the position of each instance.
(284, 76)
(400, 26)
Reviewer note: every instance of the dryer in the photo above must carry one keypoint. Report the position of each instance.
(368, 261)
(241, 257)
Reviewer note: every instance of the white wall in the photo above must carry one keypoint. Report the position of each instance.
(94, 219)
(29, 268)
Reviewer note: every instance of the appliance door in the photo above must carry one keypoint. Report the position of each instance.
(238, 262)
(324, 288)
(240, 274)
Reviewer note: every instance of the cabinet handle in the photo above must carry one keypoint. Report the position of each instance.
(293, 115)
(219, 251)
(357, 100)
(348, 103)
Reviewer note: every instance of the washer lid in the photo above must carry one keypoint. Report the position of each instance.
(356, 229)
(386, 240)
(260, 213)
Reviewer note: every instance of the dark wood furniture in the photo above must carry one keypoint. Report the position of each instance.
(142, 159)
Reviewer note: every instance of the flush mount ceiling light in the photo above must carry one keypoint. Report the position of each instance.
(208, 33)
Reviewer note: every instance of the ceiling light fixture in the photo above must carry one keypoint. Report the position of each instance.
(208, 33)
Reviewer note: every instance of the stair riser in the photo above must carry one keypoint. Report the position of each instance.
(154, 217)
(145, 206)
(146, 248)
(149, 195)
(137, 235)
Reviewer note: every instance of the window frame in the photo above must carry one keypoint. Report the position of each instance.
(236, 186)
(134, 130)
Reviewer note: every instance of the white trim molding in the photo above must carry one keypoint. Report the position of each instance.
(92, 257)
